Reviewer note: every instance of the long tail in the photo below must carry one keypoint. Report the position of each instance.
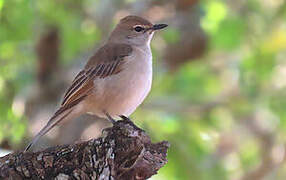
(58, 117)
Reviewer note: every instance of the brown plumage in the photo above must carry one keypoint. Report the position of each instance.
(107, 61)
(115, 80)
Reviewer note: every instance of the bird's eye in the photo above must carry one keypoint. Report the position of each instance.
(138, 28)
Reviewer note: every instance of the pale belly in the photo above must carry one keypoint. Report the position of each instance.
(122, 93)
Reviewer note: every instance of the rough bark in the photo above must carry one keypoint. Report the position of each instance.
(123, 152)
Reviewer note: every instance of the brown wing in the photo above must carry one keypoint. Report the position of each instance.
(107, 61)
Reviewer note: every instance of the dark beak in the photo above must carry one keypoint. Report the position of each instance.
(158, 26)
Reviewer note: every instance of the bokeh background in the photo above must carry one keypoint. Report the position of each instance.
(219, 89)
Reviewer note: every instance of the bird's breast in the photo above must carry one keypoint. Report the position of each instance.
(127, 90)
(137, 75)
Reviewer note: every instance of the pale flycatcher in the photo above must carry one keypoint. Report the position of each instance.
(115, 80)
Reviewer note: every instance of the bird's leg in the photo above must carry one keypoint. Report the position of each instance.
(124, 118)
(113, 121)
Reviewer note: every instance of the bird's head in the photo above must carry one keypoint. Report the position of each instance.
(135, 30)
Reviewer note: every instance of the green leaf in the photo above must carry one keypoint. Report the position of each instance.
(230, 33)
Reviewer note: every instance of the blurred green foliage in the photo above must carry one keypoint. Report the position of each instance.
(209, 108)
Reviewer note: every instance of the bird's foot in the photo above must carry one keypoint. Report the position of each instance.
(113, 121)
(128, 120)
(125, 118)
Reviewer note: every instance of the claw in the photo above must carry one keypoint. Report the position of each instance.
(124, 118)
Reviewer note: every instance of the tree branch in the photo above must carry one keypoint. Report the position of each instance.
(123, 152)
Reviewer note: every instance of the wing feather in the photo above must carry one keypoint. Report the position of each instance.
(103, 64)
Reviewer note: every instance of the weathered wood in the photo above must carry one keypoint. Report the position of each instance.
(123, 152)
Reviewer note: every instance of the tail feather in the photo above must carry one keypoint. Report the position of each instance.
(52, 123)
(61, 114)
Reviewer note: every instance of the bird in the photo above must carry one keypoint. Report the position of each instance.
(115, 80)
